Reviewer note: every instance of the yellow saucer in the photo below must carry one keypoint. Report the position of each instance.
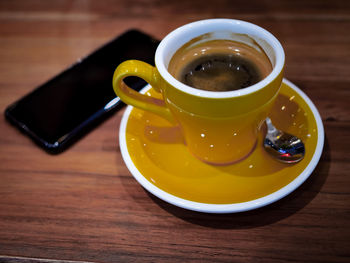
(156, 156)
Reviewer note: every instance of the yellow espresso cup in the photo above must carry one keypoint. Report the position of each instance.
(218, 127)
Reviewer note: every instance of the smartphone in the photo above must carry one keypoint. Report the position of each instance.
(62, 110)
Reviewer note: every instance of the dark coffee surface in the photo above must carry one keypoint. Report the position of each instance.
(221, 72)
(219, 65)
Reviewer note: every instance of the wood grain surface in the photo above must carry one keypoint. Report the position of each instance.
(84, 205)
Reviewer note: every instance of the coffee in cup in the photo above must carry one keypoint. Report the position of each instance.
(219, 65)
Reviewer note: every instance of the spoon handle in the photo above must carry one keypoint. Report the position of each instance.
(271, 129)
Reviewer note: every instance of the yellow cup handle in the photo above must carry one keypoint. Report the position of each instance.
(126, 94)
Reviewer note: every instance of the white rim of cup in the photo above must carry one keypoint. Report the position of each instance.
(180, 36)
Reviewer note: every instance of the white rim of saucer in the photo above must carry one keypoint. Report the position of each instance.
(225, 208)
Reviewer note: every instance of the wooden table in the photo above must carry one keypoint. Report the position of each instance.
(84, 205)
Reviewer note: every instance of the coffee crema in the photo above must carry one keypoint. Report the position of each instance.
(219, 65)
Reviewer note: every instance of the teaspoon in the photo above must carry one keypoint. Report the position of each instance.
(284, 147)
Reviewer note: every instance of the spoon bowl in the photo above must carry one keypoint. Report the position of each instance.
(282, 146)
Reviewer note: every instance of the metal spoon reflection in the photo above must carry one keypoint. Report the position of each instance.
(282, 146)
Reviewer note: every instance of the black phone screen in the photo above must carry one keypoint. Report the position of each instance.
(61, 108)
